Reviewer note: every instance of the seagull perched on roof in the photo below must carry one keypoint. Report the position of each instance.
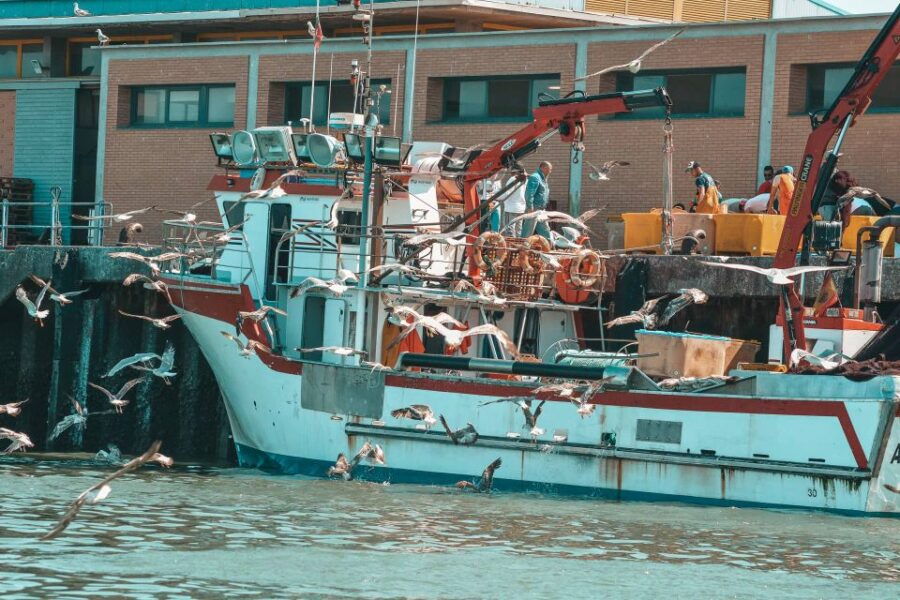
(158, 322)
(18, 441)
(551, 216)
(251, 347)
(487, 479)
(12, 409)
(101, 490)
(102, 38)
(775, 276)
(336, 286)
(117, 400)
(34, 308)
(465, 436)
(601, 173)
(634, 65)
(416, 412)
(117, 218)
(79, 12)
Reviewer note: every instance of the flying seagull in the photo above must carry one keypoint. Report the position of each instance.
(117, 400)
(164, 369)
(34, 308)
(635, 65)
(142, 358)
(150, 261)
(336, 286)
(339, 350)
(117, 218)
(532, 417)
(77, 419)
(487, 479)
(13, 409)
(465, 436)
(453, 238)
(551, 216)
(601, 173)
(685, 298)
(101, 490)
(18, 441)
(645, 315)
(61, 298)
(158, 322)
(775, 276)
(261, 313)
(79, 12)
(416, 412)
(251, 347)
(149, 283)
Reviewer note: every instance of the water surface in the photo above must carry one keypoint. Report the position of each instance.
(204, 531)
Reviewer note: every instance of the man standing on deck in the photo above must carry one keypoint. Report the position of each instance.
(514, 206)
(782, 191)
(706, 200)
(766, 186)
(537, 195)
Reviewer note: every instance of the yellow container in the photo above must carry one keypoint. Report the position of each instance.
(643, 229)
(857, 222)
(748, 234)
(684, 223)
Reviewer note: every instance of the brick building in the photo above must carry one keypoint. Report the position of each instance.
(741, 92)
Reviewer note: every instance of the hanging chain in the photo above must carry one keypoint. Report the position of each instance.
(668, 150)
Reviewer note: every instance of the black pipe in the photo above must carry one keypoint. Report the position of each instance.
(490, 365)
(882, 224)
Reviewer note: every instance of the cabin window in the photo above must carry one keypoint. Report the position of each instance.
(715, 93)
(825, 82)
(312, 334)
(297, 100)
(234, 213)
(278, 262)
(348, 229)
(501, 98)
(183, 106)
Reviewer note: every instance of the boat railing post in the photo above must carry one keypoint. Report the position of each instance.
(55, 224)
(4, 224)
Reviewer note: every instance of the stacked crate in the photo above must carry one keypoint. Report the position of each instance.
(19, 193)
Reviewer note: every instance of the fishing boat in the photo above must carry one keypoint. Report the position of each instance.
(315, 302)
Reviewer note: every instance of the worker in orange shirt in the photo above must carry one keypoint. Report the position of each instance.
(782, 191)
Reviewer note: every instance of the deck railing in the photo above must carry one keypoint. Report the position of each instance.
(54, 232)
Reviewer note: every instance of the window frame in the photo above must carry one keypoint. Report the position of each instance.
(18, 44)
(301, 84)
(532, 78)
(808, 108)
(711, 71)
(202, 121)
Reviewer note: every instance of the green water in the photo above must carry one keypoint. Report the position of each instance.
(198, 531)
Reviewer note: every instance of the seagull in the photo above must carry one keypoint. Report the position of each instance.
(601, 173)
(79, 12)
(251, 347)
(102, 38)
(341, 468)
(465, 436)
(142, 357)
(584, 409)
(685, 298)
(225, 236)
(58, 297)
(149, 283)
(186, 217)
(159, 323)
(453, 238)
(863, 192)
(101, 490)
(310, 29)
(416, 412)
(486, 293)
(645, 315)
(551, 216)
(559, 240)
(454, 337)
(150, 261)
(33, 308)
(441, 319)
(776, 276)
(487, 479)
(112, 455)
(117, 400)
(531, 418)
(18, 441)
(13, 409)
(261, 313)
(336, 286)
(339, 350)
(892, 488)
(77, 419)
(275, 190)
(164, 369)
(372, 454)
(118, 218)
(563, 390)
(398, 267)
(635, 65)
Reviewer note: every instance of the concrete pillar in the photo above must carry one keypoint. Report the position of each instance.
(54, 413)
(575, 171)
(189, 412)
(766, 103)
(83, 367)
(55, 56)
(252, 90)
(143, 404)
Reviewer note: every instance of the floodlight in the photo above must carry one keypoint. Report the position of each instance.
(323, 149)
(301, 151)
(221, 144)
(37, 67)
(387, 151)
(274, 145)
(353, 143)
(243, 147)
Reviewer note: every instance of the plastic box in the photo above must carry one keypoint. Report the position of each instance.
(643, 229)
(748, 234)
(681, 354)
(684, 223)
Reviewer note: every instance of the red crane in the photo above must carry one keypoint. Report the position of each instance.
(565, 115)
(818, 164)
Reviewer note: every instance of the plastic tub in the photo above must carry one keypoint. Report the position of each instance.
(748, 234)
(643, 229)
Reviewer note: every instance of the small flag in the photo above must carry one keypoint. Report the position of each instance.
(318, 37)
(828, 296)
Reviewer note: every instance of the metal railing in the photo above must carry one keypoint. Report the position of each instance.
(54, 232)
(202, 246)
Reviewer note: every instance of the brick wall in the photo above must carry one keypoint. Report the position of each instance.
(435, 64)
(166, 167)
(275, 71)
(871, 146)
(726, 147)
(7, 132)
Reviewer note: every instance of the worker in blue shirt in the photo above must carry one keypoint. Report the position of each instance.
(537, 194)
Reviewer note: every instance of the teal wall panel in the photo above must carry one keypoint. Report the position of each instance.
(44, 148)
(13, 9)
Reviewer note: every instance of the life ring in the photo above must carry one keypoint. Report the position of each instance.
(585, 269)
(494, 242)
(528, 258)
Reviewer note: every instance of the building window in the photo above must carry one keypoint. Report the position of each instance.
(503, 98)
(297, 96)
(16, 57)
(84, 57)
(183, 106)
(825, 82)
(718, 93)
